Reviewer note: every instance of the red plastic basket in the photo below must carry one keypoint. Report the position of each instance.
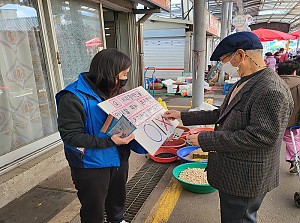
(175, 143)
(164, 159)
(197, 130)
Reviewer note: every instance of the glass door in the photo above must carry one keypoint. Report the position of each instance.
(78, 31)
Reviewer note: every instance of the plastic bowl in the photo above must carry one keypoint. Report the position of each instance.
(166, 159)
(197, 130)
(184, 151)
(175, 143)
(195, 188)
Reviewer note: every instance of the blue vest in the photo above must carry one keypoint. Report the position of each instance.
(95, 118)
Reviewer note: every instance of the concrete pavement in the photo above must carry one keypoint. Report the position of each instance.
(277, 207)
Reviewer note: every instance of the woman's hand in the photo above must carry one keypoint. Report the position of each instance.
(118, 140)
(172, 114)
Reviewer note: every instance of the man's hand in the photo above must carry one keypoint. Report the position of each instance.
(172, 114)
(118, 140)
(193, 140)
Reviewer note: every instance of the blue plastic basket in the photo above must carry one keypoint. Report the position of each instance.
(184, 151)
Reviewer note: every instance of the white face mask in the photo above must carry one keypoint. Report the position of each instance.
(230, 69)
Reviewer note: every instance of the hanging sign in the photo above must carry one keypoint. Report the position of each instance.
(242, 22)
(213, 26)
(164, 4)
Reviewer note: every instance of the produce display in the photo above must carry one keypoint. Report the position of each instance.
(197, 155)
(165, 155)
(194, 176)
(174, 143)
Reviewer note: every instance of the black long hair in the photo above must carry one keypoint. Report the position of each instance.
(104, 70)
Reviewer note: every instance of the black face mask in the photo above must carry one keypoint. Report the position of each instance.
(122, 82)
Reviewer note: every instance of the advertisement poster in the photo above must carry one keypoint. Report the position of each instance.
(145, 113)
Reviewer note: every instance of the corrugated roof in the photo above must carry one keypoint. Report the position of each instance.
(284, 11)
(262, 11)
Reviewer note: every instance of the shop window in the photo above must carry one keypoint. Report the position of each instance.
(27, 109)
(78, 32)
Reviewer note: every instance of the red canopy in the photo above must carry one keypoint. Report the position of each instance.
(94, 42)
(296, 33)
(270, 35)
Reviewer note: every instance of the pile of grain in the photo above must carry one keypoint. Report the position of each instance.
(197, 153)
(194, 176)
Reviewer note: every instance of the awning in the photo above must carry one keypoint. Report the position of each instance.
(94, 42)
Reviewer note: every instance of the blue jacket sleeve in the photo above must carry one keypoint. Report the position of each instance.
(136, 147)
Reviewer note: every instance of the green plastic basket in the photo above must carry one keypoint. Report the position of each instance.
(195, 188)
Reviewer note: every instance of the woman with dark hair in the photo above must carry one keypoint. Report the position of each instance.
(270, 60)
(287, 71)
(277, 57)
(98, 163)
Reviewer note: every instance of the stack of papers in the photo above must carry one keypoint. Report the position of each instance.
(114, 126)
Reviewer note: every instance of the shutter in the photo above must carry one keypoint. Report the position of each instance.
(164, 53)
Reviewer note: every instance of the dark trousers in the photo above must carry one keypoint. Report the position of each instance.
(236, 209)
(99, 190)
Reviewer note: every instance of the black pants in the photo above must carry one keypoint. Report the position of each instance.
(236, 209)
(101, 189)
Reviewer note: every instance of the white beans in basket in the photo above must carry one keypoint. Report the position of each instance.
(194, 176)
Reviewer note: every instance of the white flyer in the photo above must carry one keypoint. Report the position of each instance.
(145, 113)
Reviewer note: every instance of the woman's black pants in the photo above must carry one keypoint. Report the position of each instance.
(101, 190)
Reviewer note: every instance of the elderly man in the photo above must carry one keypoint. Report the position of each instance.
(244, 149)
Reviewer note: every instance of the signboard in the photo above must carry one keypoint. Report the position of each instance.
(164, 4)
(242, 22)
(212, 25)
(239, 20)
(145, 113)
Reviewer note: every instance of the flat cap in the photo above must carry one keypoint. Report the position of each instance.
(233, 42)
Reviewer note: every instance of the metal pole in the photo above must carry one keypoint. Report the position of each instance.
(187, 52)
(224, 19)
(224, 33)
(199, 52)
(140, 27)
(229, 19)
